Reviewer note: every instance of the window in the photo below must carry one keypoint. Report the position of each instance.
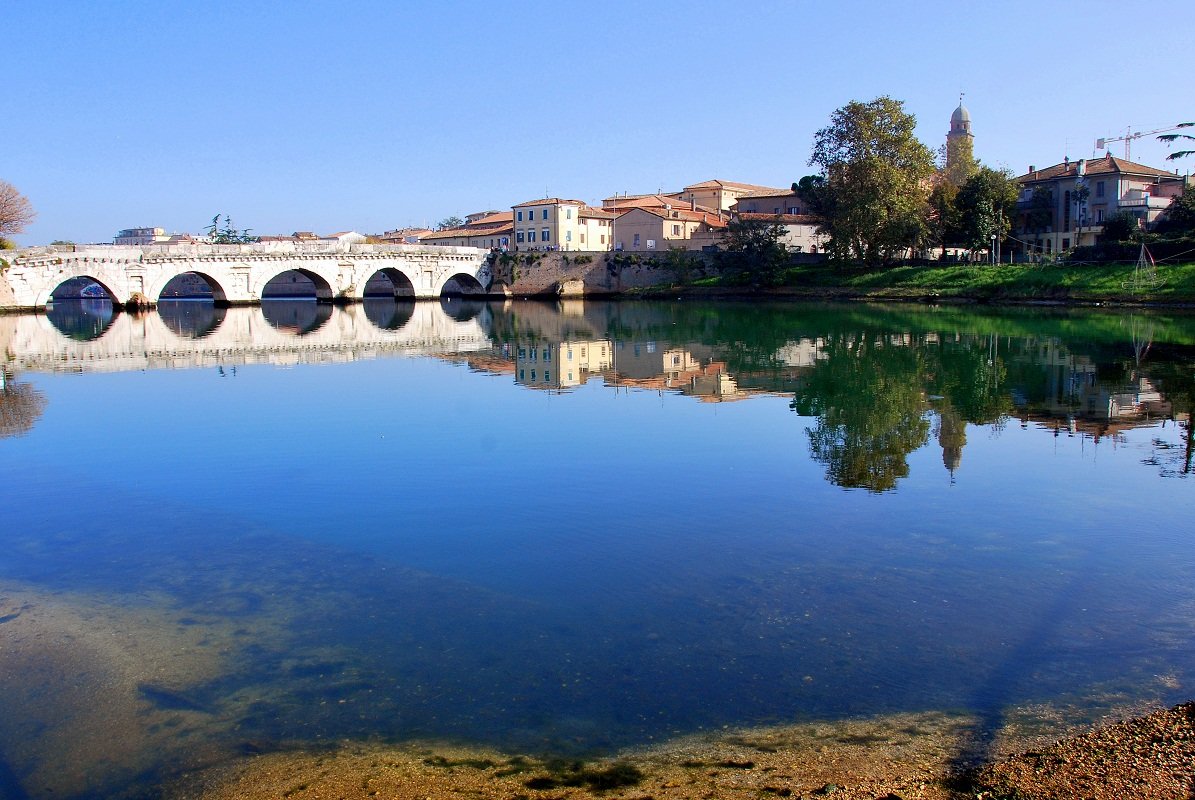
(547, 354)
(522, 353)
(794, 209)
(1099, 215)
(531, 235)
(1099, 189)
(545, 213)
(520, 216)
(676, 230)
(532, 374)
(1066, 244)
(570, 354)
(582, 237)
(534, 354)
(636, 240)
(519, 236)
(568, 236)
(546, 235)
(603, 238)
(568, 213)
(570, 374)
(547, 375)
(522, 376)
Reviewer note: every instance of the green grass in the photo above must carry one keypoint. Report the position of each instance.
(1006, 282)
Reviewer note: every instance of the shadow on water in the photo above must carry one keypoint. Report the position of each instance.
(191, 319)
(462, 309)
(82, 319)
(298, 317)
(389, 313)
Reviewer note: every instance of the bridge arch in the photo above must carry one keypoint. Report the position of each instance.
(186, 285)
(388, 282)
(74, 288)
(462, 284)
(297, 283)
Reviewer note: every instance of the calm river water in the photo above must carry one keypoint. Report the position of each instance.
(569, 529)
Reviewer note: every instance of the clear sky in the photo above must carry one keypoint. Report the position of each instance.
(377, 115)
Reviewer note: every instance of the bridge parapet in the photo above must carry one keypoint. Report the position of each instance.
(238, 273)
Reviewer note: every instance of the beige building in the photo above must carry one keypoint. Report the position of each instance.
(554, 223)
(404, 235)
(721, 195)
(487, 229)
(800, 231)
(771, 201)
(658, 229)
(561, 365)
(1081, 195)
(140, 236)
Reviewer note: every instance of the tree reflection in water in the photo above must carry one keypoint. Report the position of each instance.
(870, 406)
(20, 406)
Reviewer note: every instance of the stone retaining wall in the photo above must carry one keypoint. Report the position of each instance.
(603, 274)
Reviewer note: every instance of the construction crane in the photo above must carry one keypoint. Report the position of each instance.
(1101, 144)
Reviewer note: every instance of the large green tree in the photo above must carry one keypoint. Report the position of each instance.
(986, 205)
(754, 252)
(872, 196)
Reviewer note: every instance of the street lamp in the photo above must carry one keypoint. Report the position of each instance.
(992, 251)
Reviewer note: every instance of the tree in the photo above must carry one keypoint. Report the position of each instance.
(944, 216)
(755, 253)
(1041, 210)
(1120, 227)
(986, 205)
(1179, 219)
(873, 196)
(15, 211)
(1174, 137)
(228, 234)
(451, 222)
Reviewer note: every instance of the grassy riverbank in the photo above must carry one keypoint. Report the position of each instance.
(1111, 283)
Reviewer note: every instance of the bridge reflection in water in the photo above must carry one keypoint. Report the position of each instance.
(88, 335)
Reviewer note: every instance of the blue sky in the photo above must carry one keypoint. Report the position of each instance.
(376, 115)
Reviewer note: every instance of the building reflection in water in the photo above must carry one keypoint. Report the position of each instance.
(873, 386)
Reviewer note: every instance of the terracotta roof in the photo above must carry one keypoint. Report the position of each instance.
(549, 201)
(596, 213)
(770, 193)
(657, 201)
(684, 215)
(618, 197)
(717, 184)
(786, 219)
(493, 217)
(466, 231)
(1095, 166)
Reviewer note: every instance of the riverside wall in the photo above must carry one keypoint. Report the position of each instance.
(557, 272)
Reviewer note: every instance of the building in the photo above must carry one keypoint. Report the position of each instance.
(769, 201)
(721, 195)
(554, 223)
(649, 229)
(141, 236)
(486, 229)
(800, 231)
(1066, 205)
(404, 235)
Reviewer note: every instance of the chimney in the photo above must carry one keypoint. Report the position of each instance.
(1066, 161)
(693, 201)
(1032, 168)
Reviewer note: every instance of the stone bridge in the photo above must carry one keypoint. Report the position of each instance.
(238, 274)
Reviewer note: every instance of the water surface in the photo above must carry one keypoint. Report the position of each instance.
(572, 529)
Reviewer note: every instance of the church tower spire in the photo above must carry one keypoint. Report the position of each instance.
(960, 159)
